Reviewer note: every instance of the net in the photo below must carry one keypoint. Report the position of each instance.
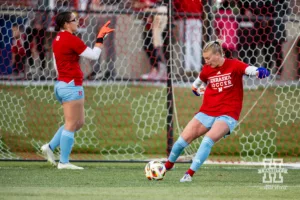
(133, 110)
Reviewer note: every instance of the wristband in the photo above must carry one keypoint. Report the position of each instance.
(99, 40)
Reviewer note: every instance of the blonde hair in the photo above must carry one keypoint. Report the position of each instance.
(214, 46)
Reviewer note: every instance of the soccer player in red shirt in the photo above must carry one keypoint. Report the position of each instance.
(188, 20)
(18, 50)
(153, 35)
(67, 50)
(222, 79)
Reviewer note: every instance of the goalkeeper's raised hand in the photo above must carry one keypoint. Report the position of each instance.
(104, 31)
(262, 72)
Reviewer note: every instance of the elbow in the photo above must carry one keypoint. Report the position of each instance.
(91, 54)
(94, 58)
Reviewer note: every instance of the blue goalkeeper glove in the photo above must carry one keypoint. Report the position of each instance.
(198, 92)
(262, 72)
(195, 91)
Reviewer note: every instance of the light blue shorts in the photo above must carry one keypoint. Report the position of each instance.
(208, 121)
(67, 91)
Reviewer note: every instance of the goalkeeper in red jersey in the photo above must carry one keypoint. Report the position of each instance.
(67, 50)
(222, 79)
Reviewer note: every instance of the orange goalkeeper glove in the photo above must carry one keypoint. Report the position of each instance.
(104, 31)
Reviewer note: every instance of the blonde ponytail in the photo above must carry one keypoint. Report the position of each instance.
(214, 46)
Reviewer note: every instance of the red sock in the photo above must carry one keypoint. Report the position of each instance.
(190, 172)
(169, 165)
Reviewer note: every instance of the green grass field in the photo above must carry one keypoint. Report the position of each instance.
(113, 181)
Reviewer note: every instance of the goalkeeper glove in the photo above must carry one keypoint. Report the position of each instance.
(198, 91)
(262, 72)
(104, 31)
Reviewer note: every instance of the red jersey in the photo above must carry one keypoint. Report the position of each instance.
(226, 29)
(147, 3)
(224, 91)
(188, 6)
(18, 47)
(67, 48)
(144, 4)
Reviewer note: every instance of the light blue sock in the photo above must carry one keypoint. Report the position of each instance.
(56, 138)
(66, 143)
(177, 148)
(202, 153)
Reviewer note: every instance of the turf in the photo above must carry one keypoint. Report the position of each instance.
(38, 180)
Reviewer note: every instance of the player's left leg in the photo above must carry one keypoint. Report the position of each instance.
(55, 141)
(193, 130)
(47, 149)
(221, 127)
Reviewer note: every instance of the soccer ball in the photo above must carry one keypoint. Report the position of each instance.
(155, 170)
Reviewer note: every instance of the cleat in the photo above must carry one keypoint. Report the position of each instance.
(169, 165)
(145, 76)
(68, 166)
(171, 169)
(48, 154)
(186, 178)
(150, 76)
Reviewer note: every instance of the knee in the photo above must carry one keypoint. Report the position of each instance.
(74, 125)
(199, 131)
(80, 124)
(191, 134)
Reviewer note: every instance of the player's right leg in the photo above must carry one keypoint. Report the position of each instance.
(193, 130)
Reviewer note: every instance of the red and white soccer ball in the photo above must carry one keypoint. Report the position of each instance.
(155, 170)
